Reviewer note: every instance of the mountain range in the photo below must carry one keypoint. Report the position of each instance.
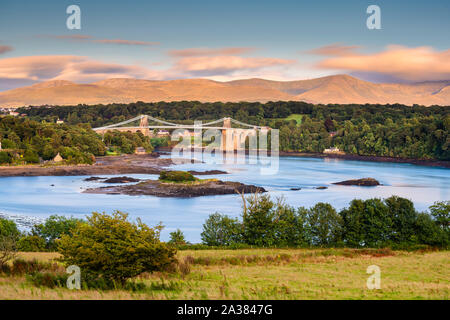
(338, 89)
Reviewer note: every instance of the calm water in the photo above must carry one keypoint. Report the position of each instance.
(34, 196)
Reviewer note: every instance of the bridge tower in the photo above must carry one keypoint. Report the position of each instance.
(143, 126)
(227, 136)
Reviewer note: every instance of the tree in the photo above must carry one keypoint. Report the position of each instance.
(403, 217)
(31, 243)
(428, 232)
(368, 223)
(53, 228)
(323, 225)
(8, 250)
(258, 216)
(221, 230)
(113, 249)
(441, 212)
(177, 238)
(5, 157)
(8, 228)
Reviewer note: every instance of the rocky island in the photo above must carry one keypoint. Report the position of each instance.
(364, 182)
(179, 184)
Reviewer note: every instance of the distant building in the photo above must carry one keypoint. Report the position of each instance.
(13, 113)
(333, 150)
(140, 150)
(60, 121)
(58, 158)
(162, 133)
(333, 133)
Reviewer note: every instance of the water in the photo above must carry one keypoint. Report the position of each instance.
(35, 197)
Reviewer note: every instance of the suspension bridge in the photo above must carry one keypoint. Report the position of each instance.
(231, 138)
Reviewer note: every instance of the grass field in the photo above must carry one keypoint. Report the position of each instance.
(272, 274)
(296, 117)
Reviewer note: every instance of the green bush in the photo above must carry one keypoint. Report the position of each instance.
(5, 157)
(113, 249)
(30, 156)
(176, 176)
(31, 243)
(8, 228)
(48, 279)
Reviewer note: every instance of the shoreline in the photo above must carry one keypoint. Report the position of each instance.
(107, 165)
(152, 164)
(353, 157)
(419, 162)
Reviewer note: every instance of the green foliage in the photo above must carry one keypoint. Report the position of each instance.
(372, 223)
(176, 176)
(113, 249)
(220, 230)
(30, 156)
(34, 140)
(371, 129)
(258, 220)
(367, 223)
(177, 238)
(441, 212)
(53, 228)
(31, 243)
(48, 279)
(8, 228)
(5, 157)
(127, 142)
(323, 225)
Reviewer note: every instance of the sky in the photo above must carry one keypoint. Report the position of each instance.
(223, 40)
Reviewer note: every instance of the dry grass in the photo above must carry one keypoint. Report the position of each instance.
(272, 274)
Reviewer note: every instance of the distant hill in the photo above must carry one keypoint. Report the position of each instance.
(337, 89)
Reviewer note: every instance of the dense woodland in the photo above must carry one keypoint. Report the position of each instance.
(25, 141)
(374, 130)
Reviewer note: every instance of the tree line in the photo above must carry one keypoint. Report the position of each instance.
(372, 223)
(26, 141)
(376, 130)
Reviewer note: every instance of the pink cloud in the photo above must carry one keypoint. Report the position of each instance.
(79, 37)
(410, 64)
(221, 65)
(335, 49)
(193, 52)
(126, 42)
(73, 68)
(4, 49)
(74, 37)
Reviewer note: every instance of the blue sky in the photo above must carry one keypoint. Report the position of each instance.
(278, 39)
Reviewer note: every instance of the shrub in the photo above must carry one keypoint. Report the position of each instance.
(114, 249)
(31, 243)
(176, 176)
(48, 279)
(5, 157)
(30, 156)
(8, 251)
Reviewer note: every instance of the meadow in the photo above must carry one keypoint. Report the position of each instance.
(270, 274)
